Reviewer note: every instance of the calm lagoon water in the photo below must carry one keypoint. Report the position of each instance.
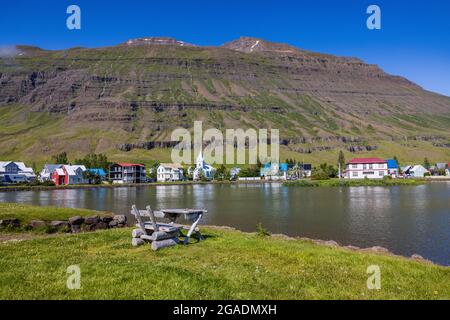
(406, 219)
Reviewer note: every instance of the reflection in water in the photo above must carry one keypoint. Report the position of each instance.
(407, 220)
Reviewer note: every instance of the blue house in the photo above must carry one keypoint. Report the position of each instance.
(392, 167)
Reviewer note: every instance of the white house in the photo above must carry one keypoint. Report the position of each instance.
(16, 172)
(169, 172)
(371, 168)
(417, 171)
(47, 171)
(201, 166)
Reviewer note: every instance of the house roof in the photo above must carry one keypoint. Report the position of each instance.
(441, 165)
(366, 160)
(392, 164)
(71, 170)
(22, 167)
(419, 166)
(60, 172)
(52, 167)
(100, 171)
(171, 165)
(127, 164)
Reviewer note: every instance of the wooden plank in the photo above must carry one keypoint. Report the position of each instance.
(135, 242)
(156, 245)
(165, 228)
(160, 235)
(146, 237)
(152, 218)
(141, 223)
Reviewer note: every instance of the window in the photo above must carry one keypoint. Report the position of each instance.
(354, 166)
(355, 174)
(370, 166)
(381, 173)
(364, 166)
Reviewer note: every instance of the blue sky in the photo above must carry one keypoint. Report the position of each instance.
(414, 40)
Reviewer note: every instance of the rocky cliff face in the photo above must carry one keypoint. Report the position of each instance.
(146, 87)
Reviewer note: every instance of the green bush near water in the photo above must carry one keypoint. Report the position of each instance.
(355, 183)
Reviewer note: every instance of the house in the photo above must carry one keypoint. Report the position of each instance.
(123, 172)
(47, 172)
(234, 172)
(97, 172)
(439, 169)
(202, 168)
(274, 171)
(300, 170)
(447, 171)
(169, 172)
(69, 175)
(392, 167)
(371, 168)
(16, 172)
(417, 171)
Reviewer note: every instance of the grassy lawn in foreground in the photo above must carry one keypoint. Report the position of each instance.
(227, 265)
(26, 213)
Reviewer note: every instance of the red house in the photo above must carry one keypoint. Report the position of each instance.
(69, 174)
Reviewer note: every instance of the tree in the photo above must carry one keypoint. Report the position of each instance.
(222, 173)
(426, 163)
(341, 161)
(153, 171)
(60, 158)
(324, 172)
(93, 160)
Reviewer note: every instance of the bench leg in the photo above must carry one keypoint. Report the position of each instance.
(191, 229)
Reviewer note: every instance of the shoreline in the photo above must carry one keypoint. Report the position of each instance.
(154, 184)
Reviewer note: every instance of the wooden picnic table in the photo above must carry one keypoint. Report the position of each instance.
(192, 215)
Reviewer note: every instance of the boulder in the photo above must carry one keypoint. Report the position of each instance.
(101, 226)
(113, 224)
(107, 219)
(77, 220)
(120, 218)
(92, 220)
(377, 249)
(12, 223)
(354, 248)
(75, 228)
(417, 257)
(36, 224)
(59, 224)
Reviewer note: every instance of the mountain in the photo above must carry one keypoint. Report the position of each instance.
(125, 100)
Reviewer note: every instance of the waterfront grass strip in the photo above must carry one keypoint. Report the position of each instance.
(355, 183)
(26, 213)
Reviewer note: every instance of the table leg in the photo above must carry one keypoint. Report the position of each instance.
(192, 228)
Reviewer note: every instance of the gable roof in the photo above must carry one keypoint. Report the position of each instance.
(171, 165)
(127, 164)
(71, 170)
(366, 161)
(98, 171)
